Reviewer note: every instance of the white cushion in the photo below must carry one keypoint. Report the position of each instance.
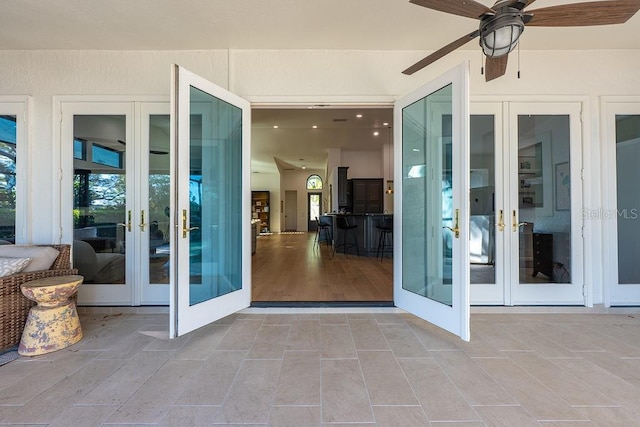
(41, 256)
(9, 266)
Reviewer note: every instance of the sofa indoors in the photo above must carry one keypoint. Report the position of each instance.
(44, 261)
(98, 267)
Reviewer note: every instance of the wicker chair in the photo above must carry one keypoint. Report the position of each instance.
(14, 307)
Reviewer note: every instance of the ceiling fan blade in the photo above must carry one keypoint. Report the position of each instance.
(441, 52)
(495, 67)
(467, 8)
(583, 14)
(158, 152)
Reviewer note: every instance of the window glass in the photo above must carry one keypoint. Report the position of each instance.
(314, 182)
(105, 156)
(8, 137)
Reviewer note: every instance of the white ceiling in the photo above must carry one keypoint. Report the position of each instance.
(267, 24)
(276, 24)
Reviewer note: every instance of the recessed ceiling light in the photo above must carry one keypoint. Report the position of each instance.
(376, 133)
(359, 116)
(315, 126)
(275, 126)
(385, 124)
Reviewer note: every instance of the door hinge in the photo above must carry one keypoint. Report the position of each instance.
(582, 174)
(59, 174)
(582, 231)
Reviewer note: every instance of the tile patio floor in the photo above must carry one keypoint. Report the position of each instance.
(334, 369)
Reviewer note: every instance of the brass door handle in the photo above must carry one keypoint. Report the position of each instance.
(142, 224)
(128, 224)
(186, 229)
(500, 223)
(456, 225)
(515, 225)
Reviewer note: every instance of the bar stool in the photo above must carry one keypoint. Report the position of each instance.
(323, 227)
(342, 223)
(385, 239)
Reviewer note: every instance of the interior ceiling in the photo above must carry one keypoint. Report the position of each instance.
(296, 144)
(278, 24)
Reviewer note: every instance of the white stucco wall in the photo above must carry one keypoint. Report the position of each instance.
(271, 76)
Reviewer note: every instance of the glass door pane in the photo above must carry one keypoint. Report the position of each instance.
(216, 229)
(545, 215)
(432, 169)
(8, 177)
(628, 198)
(482, 203)
(101, 219)
(155, 203)
(213, 209)
(427, 197)
(544, 223)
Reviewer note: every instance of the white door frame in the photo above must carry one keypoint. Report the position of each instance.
(614, 293)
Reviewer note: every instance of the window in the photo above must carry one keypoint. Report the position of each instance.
(79, 149)
(105, 156)
(314, 182)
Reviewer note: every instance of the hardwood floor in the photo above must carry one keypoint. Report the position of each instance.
(289, 267)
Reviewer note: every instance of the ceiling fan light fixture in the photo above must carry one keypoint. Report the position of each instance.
(499, 34)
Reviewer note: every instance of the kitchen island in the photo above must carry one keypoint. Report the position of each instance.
(368, 234)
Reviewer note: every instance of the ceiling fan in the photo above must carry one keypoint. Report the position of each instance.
(502, 24)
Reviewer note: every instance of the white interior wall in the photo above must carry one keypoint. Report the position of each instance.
(362, 164)
(296, 180)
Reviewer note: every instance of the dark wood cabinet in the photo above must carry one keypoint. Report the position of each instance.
(367, 195)
(343, 190)
(543, 254)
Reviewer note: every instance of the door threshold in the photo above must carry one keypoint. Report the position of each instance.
(321, 304)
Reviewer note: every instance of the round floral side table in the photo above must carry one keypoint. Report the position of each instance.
(53, 324)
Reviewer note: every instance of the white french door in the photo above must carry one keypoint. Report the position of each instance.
(526, 200)
(98, 198)
(543, 217)
(489, 271)
(154, 190)
(211, 210)
(621, 200)
(431, 262)
(115, 198)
